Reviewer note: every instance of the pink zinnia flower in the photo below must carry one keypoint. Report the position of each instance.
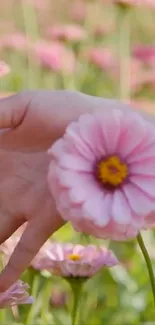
(4, 69)
(54, 56)
(103, 174)
(16, 295)
(16, 41)
(145, 53)
(103, 58)
(70, 260)
(74, 33)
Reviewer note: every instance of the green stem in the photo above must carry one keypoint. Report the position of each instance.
(31, 30)
(45, 299)
(34, 282)
(77, 286)
(148, 263)
(76, 297)
(124, 51)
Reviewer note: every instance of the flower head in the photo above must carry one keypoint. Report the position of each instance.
(4, 69)
(15, 41)
(145, 53)
(16, 295)
(70, 32)
(101, 58)
(54, 56)
(76, 260)
(103, 174)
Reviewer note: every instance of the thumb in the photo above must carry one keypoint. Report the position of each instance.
(13, 109)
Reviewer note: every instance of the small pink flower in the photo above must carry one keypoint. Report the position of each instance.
(145, 53)
(103, 174)
(78, 11)
(54, 56)
(58, 298)
(16, 41)
(102, 30)
(101, 57)
(74, 33)
(4, 69)
(16, 295)
(76, 260)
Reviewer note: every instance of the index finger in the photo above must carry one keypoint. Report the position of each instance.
(34, 236)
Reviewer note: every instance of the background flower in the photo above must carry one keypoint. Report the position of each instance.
(75, 260)
(4, 69)
(16, 295)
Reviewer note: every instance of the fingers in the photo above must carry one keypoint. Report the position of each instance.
(35, 235)
(8, 226)
(13, 109)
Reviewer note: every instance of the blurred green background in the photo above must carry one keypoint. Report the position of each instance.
(103, 49)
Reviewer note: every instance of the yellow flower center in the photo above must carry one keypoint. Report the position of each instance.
(74, 257)
(112, 171)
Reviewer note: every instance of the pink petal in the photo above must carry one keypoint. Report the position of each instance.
(132, 136)
(71, 178)
(76, 163)
(64, 200)
(97, 209)
(145, 167)
(138, 201)
(72, 136)
(89, 189)
(90, 132)
(57, 149)
(121, 211)
(148, 152)
(75, 212)
(110, 124)
(147, 185)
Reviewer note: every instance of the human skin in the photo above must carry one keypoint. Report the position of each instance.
(31, 121)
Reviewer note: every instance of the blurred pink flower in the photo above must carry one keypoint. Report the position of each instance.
(39, 4)
(16, 295)
(103, 58)
(78, 11)
(144, 105)
(148, 3)
(54, 56)
(70, 32)
(145, 53)
(137, 75)
(102, 174)
(4, 69)
(58, 298)
(16, 41)
(101, 30)
(70, 260)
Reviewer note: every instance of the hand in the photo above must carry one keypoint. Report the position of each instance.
(31, 122)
